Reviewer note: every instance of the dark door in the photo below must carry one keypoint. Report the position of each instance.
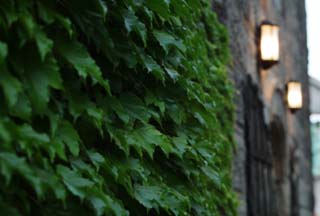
(259, 155)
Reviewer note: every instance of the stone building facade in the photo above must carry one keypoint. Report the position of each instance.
(287, 134)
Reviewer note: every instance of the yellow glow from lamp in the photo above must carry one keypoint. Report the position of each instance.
(269, 43)
(294, 95)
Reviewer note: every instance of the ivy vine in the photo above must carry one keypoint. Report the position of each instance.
(114, 107)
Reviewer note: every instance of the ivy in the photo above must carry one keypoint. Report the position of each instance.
(114, 108)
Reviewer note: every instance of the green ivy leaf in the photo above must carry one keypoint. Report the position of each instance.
(76, 54)
(11, 163)
(41, 76)
(5, 134)
(68, 135)
(44, 44)
(132, 23)
(176, 112)
(11, 86)
(105, 204)
(9, 12)
(28, 24)
(3, 51)
(50, 16)
(98, 205)
(160, 7)
(174, 75)
(101, 6)
(74, 182)
(166, 41)
(148, 195)
(157, 196)
(27, 133)
(96, 158)
(134, 107)
(22, 108)
(49, 178)
(182, 8)
(152, 66)
(150, 98)
(97, 115)
(147, 138)
(212, 174)
(118, 136)
(181, 144)
(117, 107)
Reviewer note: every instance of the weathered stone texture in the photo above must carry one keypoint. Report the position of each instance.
(291, 151)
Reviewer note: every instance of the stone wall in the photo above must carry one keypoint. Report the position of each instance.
(291, 137)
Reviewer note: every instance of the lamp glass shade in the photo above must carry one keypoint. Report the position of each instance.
(269, 42)
(294, 95)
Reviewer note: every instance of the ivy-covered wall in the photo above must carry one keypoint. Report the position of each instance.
(114, 107)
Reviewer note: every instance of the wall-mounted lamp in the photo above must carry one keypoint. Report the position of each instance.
(269, 44)
(294, 95)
